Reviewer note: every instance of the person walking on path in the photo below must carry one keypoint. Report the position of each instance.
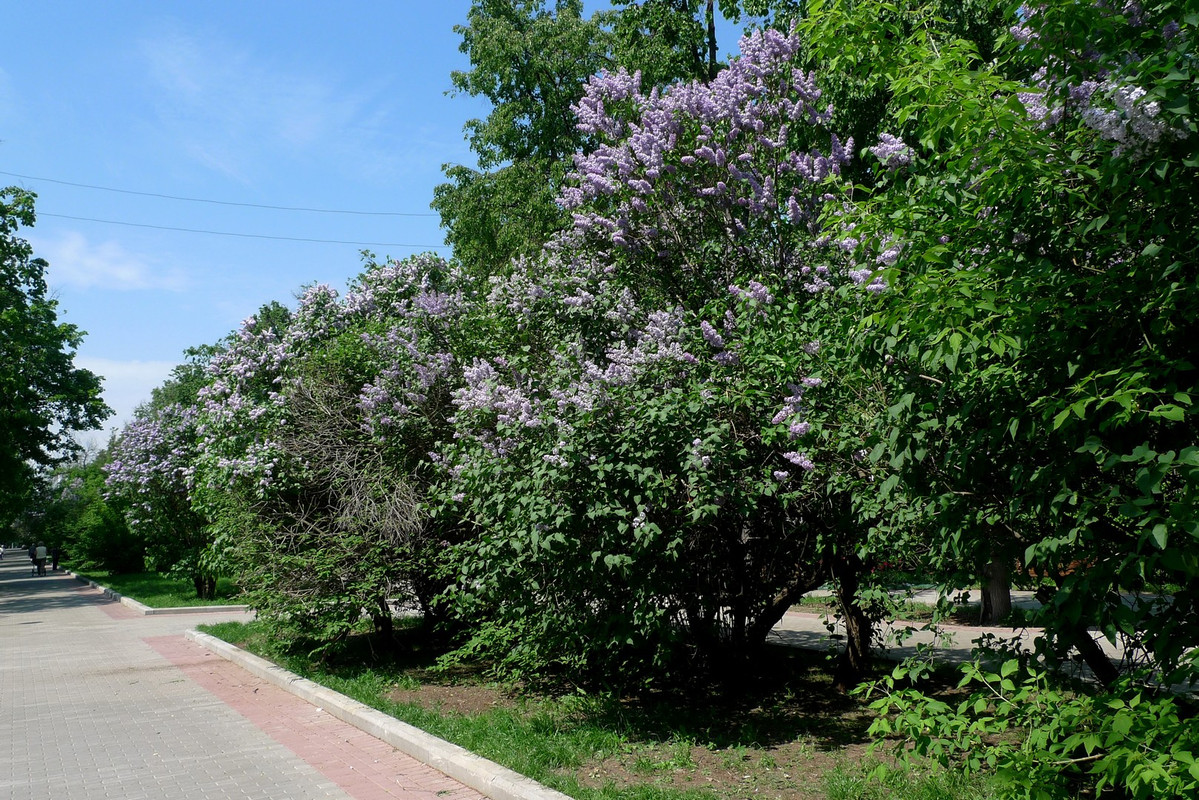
(39, 558)
(54, 555)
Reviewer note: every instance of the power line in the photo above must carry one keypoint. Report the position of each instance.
(246, 235)
(220, 202)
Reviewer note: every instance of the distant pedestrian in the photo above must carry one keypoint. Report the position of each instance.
(39, 558)
(1, 552)
(54, 554)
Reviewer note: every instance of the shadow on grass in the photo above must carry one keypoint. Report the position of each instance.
(785, 696)
(788, 694)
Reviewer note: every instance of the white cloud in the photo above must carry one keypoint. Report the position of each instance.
(127, 384)
(78, 263)
(229, 108)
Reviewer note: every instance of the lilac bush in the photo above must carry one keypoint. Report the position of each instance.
(152, 469)
(314, 442)
(655, 449)
(695, 180)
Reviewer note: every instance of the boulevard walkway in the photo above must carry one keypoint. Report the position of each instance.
(97, 701)
(955, 645)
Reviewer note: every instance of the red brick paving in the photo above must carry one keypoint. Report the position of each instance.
(364, 767)
(113, 608)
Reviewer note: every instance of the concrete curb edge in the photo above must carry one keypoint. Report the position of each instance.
(144, 609)
(480, 774)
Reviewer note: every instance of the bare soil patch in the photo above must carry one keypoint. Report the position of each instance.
(787, 771)
(459, 699)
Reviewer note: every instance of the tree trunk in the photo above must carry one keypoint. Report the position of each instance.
(711, 12)
(382, 619)
(855, 660)
(205, 586)
(1093, 656)
(996, 590)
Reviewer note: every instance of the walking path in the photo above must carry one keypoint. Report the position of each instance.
(98, 701)
(955, 643)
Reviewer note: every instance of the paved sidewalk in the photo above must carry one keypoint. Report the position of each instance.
(956, 643)
(97, 701)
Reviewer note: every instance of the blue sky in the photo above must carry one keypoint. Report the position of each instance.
(338, 106)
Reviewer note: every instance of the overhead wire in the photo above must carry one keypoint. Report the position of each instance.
(244, 235)
(221, 202)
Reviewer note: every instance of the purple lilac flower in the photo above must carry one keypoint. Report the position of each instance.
(711, 336)
(892, 151)
(800, 460)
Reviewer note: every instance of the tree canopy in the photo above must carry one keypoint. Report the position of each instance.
(44, 397)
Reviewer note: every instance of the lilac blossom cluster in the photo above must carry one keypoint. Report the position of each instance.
(731, 144)
(399, 316)
(892, 151)
(599, 345)
(153, 461)
(1106, 97)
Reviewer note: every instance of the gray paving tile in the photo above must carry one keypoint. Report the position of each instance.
(89, 710)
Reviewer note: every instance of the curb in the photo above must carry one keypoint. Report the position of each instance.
(480, 774)
(144, 609)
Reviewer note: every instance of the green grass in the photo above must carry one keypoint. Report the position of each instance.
(157, 591)
(869, 781)
(775, 736)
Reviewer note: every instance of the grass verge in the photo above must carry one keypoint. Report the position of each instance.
(786, 735)
(157, 591)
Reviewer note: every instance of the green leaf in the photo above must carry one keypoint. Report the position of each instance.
(1171, 412)
(1159, 534)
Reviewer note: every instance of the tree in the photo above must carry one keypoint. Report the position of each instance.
(531, 63)
(44, 397)
(1038, 339)
(675, 40)
(1041, 198)
(75, 513)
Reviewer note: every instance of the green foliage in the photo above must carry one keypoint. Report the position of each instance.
(91, 527)
(44, 397)
(530, 61)
(1044, 741)
(492, 216)
(671, 40)
(1039, 332)
(70, 511)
